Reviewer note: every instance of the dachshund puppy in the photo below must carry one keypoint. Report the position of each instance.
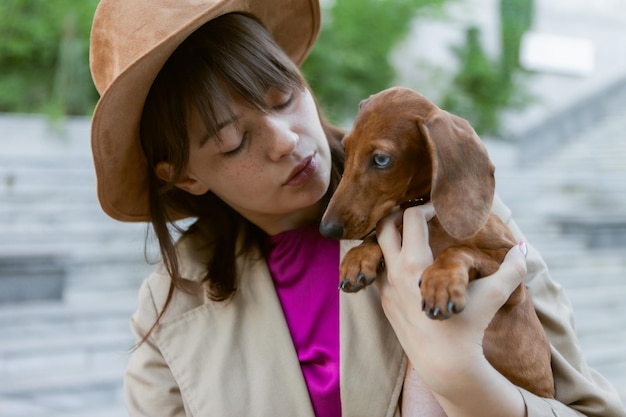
(403, 151)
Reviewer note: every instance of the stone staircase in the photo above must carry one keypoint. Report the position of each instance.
(65, 356)
(582, 183)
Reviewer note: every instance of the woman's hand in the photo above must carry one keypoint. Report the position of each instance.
(447, 355)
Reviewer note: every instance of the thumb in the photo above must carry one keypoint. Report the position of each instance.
(494, 290)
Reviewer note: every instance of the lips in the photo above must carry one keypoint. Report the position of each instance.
(302, 172)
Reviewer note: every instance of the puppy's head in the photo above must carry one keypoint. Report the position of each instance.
(403, 147)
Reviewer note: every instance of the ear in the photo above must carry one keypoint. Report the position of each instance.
(187, 182)
(463, 184)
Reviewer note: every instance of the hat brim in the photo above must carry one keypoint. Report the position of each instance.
(120, 164)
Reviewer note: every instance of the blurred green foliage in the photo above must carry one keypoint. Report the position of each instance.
(44, 53)
(44, 56)
(478, 91)
(350, 59)
(484, 86)
(516, 17)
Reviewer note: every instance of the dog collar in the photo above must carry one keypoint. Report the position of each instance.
(414, 202)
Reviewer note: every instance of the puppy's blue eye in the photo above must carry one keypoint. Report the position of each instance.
(381, 160)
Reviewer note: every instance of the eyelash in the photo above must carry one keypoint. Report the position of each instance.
(286, 103)
(238, 148)
(282, 106)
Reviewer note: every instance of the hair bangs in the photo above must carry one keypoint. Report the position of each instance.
(236, 62)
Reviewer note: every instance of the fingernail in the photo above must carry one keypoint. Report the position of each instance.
(523, 248)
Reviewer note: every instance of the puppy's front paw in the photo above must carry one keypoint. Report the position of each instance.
(443, 291)
(359, 267)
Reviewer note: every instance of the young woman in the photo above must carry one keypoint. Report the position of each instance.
(205, 115)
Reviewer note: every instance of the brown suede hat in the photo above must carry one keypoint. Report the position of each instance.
(130, 42)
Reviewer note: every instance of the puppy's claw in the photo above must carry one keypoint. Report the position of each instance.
(436, 313)
(456, 309)
(361, 280)
(451, 307)
(364, 281)
(347, 286)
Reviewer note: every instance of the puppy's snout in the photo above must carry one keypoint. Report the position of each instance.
(332, 230)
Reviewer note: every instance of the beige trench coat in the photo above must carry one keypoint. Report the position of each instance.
(236, 358)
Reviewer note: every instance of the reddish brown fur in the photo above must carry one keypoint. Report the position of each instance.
(435, 155)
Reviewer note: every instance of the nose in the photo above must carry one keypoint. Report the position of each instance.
(331, 229)
(282, 139)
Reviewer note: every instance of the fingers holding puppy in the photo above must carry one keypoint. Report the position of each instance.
(403, 239)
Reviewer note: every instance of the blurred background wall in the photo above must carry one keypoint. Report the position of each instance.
(543, 82)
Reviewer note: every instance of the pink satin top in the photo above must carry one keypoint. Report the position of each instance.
(305, 268)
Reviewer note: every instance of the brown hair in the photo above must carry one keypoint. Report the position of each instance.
(230, 55)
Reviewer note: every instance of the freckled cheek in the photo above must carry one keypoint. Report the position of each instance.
(245, 173)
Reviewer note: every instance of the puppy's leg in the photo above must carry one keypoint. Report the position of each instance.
(359, 266)
(444, 283)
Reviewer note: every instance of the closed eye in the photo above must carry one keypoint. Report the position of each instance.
(285, 103)
(239, 148)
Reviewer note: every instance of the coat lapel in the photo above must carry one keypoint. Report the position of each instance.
(237, 356)
(373, 363)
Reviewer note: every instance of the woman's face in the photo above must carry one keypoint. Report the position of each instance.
(272, 167)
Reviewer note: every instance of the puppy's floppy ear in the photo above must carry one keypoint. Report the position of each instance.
(463, 184)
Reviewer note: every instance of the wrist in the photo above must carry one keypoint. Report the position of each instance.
(450, 375)
(477, 389)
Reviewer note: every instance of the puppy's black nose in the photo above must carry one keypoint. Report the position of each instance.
(331, 230)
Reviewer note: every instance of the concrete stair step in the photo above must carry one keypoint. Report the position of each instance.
(602, 295)
(597, 325)
(77, 238)
(32, 318)
(64, 394)
(23, 357)
(590, 280)
(12, 407)
(50, 340)
(64, 358)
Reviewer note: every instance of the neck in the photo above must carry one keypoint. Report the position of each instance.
(276, 224)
